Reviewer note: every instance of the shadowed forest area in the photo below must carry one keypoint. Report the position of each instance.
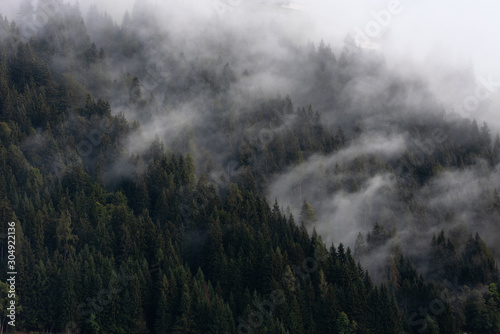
(203, 183)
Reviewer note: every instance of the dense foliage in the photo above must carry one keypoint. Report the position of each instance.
(116, 239)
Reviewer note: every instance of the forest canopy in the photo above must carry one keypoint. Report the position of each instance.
(170, 183)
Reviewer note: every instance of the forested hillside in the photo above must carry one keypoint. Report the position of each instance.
(167, 185)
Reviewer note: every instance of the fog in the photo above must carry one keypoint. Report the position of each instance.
(341, 215)
(468, 29)
(415, 36)
(412, 35)
(442, 56)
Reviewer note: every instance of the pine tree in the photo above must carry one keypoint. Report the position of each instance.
(496, 149)
(486, 136)
(64, 234)
(307, 214)
(342, 324)
(360, 247)
(184, 322)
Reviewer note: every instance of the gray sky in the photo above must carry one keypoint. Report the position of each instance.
(468, 28)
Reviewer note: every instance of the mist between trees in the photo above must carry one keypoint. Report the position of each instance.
(249, 177)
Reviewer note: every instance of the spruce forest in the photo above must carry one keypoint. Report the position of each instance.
(171, 173)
